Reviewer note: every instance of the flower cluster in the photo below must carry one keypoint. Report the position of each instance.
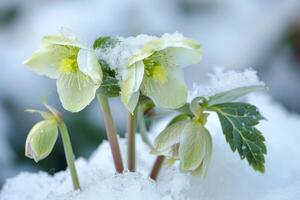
(144, 70)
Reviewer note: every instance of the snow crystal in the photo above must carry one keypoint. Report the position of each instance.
(222, 81)
(228, 177)
(119, 54)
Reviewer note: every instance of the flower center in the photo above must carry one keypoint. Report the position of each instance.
(69, 64)
(155, 66)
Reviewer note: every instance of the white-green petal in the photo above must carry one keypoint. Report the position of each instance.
(76, 91)
(89, 65)
(63, 40)
(170, 93)
(45, 62)
(192, 146)
(183, 56)
(41, 140)
(169, 136)
(208, 152)
(180, 51)
(130, 87)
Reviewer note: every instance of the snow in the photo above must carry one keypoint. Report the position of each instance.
(228, 178)
(119, 55)
(222, 81)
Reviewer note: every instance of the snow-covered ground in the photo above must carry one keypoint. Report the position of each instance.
(228, 178)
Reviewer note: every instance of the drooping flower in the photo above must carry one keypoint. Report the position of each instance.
(41, 140)
(42, 136)
(152, 66)
(69, 60)
(187, 140)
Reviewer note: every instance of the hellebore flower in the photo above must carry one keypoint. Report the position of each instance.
(188, 141)
(41, 140)
(149, 65)
(156, 70)
(65, 58)
(42, 137)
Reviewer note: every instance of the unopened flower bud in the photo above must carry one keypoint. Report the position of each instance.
(41, 140)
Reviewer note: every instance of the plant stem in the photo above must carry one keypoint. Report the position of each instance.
(142, 126)
(156, 167)
(131, 142)
(111, 133)
(69, 154)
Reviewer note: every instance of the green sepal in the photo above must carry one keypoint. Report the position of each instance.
(45, 115)
(238, 122)
(178, 118)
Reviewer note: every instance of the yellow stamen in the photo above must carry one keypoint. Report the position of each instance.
(155, 68)
(160, 73)
(68, 65)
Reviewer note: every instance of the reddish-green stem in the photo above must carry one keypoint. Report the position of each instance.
(111, 133)
(131, 142)
(156, 167)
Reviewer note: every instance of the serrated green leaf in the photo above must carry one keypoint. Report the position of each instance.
(238, 121)
(233, 94)
(110, 87)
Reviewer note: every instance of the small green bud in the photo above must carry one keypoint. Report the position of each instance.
(41, 140)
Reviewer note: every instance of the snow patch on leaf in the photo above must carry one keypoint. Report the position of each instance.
(222, 81)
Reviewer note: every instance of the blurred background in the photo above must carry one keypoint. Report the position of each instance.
(263, 35)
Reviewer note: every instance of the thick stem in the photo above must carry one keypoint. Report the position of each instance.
(69, 154)
(131, 142)
(156, 167)
(142, 126)
(111, 133)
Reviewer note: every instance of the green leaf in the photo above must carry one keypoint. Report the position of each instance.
(238, 122)
(105, 42)
(233, 94)
(110, 87)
